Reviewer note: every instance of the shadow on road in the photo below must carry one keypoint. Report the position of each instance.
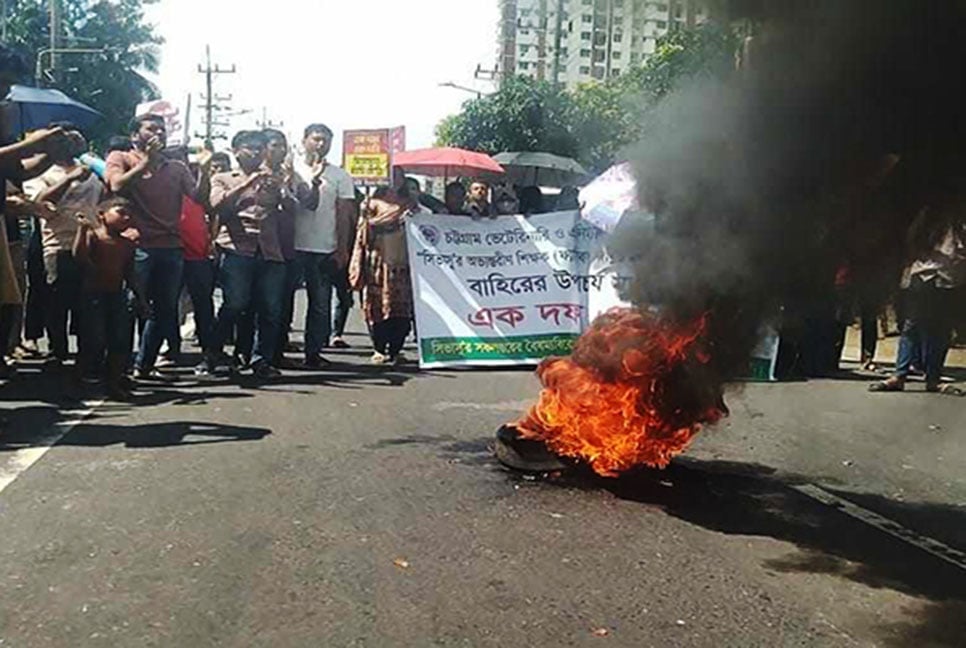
(753, 500)
(152, 435)
(156, 435)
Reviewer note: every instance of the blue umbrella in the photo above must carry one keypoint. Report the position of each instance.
(37, 107)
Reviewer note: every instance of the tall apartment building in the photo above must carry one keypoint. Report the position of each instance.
(574, 41)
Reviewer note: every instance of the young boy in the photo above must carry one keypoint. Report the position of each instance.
(106, 254)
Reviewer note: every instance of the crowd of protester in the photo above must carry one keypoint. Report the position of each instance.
(118, 250)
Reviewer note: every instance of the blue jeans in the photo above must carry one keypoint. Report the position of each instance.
(926, 332)
(250, 283)
(158, 273)
(199, 280)
(321, 273)
(105, 326)
(246, 331)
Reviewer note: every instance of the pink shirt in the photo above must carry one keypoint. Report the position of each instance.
(156, 196)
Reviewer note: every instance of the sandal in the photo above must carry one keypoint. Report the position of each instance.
(890, 385)
(946, 390)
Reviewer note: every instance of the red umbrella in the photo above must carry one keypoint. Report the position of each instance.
(447, 162)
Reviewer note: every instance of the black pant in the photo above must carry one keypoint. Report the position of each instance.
(199, 281)
(293, 277)
(343, 305)
(870, 331)
(105, 332)
(64, 284)
(34, 310)
(389, 335)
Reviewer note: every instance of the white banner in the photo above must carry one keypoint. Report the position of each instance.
(514, 290)
(175, 118)
(509, 290)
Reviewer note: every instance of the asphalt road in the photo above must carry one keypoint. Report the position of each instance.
(362, 507)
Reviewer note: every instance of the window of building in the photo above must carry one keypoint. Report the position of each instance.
(584, 35)
(661, 24)
(617, 20)
(635, 58)
(598, 72)
(585, 53)
(615, 54)
(618, 37)
(587, 18)
(678, 11)
(599, 56)
(600, 39)
(523, 65)
(615, 72)
(524, 49)
(563, 52)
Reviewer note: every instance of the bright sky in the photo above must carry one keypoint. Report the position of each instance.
(349, 64)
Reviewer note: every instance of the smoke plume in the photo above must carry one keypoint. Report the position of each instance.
(843, 120)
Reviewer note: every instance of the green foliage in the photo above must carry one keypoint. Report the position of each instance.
(596, 120)
(110, 82)
(525, 115)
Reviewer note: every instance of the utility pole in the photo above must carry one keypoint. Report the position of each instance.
(54, 37)
(266, 122)
(213, 102)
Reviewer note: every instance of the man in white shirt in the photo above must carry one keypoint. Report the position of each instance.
(322, 237)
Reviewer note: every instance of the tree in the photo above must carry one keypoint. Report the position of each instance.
(595, 121)
(525, 115)
(109, 82)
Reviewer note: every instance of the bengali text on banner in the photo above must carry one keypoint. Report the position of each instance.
(509, 290)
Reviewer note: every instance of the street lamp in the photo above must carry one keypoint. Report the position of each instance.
(50, 51)
(449, 84)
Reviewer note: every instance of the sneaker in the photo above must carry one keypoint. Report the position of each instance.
(30, 348)
(400, 359)
(287, 363)
(339, 343)
(204, 369)
(167, 360)
(265, 371)
(379, 358)
(150, 375)
(317, 362)
(241, 362)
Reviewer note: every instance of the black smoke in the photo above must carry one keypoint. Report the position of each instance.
(843, 120)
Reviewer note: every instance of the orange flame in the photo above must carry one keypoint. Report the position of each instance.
(635, 391)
